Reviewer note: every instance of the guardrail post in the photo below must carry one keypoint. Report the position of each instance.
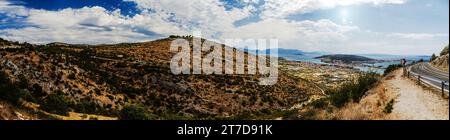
(418, 79)
(404, 71)
(443, 87)
(409, 73)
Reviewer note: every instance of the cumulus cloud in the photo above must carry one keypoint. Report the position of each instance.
(96, 25)
(294, 34)
(93, 25)
(11, 10)
(209, 16)
(216, 20)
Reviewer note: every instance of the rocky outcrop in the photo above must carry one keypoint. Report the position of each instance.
(442, 62)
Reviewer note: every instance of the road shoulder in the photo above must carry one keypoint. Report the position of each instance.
(409, 102)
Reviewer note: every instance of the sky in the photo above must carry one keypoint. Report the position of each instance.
(402, 27)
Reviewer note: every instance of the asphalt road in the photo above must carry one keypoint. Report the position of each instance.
(425, 69)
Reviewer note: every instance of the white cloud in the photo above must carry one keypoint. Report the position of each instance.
(294, 34)
(12, 10)
(164, 17)
(93, 25)
(96, 25)
(214, 19)
(209, 16)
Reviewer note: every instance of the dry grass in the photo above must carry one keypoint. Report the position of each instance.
(441, 63)
(10, 112)
(72, 115)
(81, 116)
(6, 113)
(371, 106)
(408, 102)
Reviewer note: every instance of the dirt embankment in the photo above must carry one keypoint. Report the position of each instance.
(409, 101)
(441, 62)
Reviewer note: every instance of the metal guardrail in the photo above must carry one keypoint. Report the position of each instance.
(424, 79)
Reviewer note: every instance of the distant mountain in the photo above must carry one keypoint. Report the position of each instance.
(345, 58)
(299, 55)
(282, 52)
(291, 54)
(395, 57)
(279, 51)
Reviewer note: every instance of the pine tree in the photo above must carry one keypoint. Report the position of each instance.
(445, 51)
(433, 57)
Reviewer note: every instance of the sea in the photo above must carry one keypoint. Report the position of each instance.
(367, 67)
(298, 55)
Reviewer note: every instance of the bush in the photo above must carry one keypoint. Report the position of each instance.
(26, 95)
(389, 107)
(56, 103)
(339, 99)
(71, 76)
(364, 83)
(353, 91)
(132, 91)
(391, 68)
(23, 83)
(135, 112)
(321, 103)
(8, 91)
(86, 105)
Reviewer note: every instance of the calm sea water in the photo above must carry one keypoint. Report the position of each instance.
(375, 67)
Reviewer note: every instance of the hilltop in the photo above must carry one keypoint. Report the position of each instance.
(134, 81)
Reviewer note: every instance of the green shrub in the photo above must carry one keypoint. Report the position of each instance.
(23, 83)
(71, 76)
(389, 107)
(339, 99)
(26, 95)
(132, 91)
(86, 105)
(391, 68)
(321, 103)
(135, 112)
(56, 103)
(354, 90)
(8, 91)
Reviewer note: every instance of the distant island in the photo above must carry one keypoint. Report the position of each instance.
(345, 58)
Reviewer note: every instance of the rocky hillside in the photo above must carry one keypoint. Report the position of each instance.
(134, 81)
(442, 62)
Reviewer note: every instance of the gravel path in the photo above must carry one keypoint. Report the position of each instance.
(413, 102)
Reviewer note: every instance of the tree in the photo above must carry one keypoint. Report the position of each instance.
(445, 51)
(433, 57)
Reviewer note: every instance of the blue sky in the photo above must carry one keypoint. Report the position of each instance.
(339, 26)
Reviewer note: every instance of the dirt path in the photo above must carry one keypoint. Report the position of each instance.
(413, 102)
